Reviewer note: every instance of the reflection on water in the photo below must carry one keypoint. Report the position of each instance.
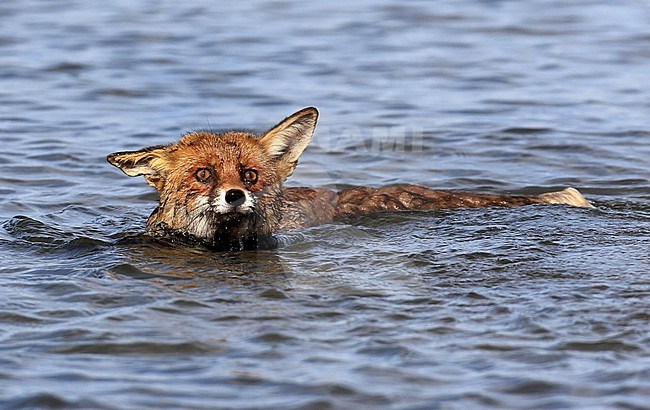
(542, 306)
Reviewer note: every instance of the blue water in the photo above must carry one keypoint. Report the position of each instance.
(533, 307)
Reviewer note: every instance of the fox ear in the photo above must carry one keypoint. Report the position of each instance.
(287, 140)
(149, 162)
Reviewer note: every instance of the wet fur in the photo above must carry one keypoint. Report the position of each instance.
(199, 211)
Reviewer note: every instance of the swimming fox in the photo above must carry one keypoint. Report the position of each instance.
(224, 190)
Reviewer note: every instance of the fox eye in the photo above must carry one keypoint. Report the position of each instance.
(250, 176)
(203, 174)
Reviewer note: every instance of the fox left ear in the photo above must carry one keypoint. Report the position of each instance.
(287, 140)
(149, 162)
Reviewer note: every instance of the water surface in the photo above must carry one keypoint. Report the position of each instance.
(535, 307)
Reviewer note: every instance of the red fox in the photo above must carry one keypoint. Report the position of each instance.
(225, 191)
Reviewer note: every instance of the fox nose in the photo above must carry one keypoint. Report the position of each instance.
(235, 197)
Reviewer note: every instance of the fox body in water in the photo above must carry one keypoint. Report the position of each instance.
(225, 190)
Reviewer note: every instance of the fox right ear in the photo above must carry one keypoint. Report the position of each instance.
(287, 140)
(149, 162)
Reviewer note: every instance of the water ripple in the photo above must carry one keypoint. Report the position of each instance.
(536, 307)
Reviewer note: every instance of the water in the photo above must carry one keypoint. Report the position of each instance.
(536, 307)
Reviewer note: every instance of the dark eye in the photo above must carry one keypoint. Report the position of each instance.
(250, 176)
(203, 175)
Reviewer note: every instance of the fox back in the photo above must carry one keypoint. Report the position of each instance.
(224, 190)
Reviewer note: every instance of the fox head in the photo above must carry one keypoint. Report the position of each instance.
(224, 190)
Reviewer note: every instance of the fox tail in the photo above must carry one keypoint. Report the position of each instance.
(569, 196)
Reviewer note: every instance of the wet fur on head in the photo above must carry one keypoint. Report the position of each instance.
(196, 207)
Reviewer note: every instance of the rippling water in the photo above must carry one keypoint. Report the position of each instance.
(535, 307)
